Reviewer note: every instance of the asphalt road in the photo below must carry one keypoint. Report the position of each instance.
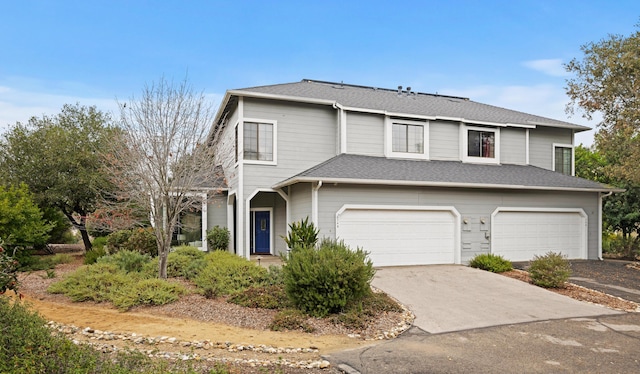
(608, 344)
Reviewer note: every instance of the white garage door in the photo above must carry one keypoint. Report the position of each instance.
(400, 237)
(519, 235)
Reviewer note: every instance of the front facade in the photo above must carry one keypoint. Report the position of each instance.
(411, 178)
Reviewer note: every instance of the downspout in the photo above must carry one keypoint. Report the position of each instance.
(600, 197)
(342, 127)
(314, 203)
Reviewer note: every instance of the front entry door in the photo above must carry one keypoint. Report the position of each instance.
(262, 232)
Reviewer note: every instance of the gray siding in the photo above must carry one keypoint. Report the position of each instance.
(365, 134)
(306, 137)
(300, 200)
(444, 141)
(513, 146)
(541, 142)
(473, 205)
(226, 152)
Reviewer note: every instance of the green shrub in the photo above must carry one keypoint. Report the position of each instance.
(147, 292)
(185, 261)
(491, 262)
(93, 255)
(142, 240)
(266, 297)
(617, 244)
(290, 319)
(8, 272)
(226, 274)
(550, 271)
(34, 263)
(323, 280)
(93, 282)
(117, 240)
(28, 346)
(99, 242)
(302, 234)
(218, 238)
(125, 260)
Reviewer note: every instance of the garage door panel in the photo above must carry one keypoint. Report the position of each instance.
(400, 237)
(519, 236)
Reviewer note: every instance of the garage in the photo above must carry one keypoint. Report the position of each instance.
(396, 236)
(519, 235)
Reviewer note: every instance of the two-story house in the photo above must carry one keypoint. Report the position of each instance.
(412, 178)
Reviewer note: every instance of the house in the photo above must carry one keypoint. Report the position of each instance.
(412, 178)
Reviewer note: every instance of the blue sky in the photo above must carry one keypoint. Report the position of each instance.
(506, 53)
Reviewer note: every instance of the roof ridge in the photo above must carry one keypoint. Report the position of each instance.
(305, 80)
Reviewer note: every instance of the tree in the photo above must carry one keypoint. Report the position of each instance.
(57, 157)
(621, 211)
(162, 156)
(21, 223)
(607, 81)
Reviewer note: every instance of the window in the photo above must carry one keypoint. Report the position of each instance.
(406, 138)
(480, 144)
(563, 159)
(258, 141)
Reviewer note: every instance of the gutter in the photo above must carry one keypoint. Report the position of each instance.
(436, 184)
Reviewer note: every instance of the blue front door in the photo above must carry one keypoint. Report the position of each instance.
(262, 232)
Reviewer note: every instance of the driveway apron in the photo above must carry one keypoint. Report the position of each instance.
(448, 298)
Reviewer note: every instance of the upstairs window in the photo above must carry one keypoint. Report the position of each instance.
(407, 138)
(563, 159)
(480, 144)
(258, 139)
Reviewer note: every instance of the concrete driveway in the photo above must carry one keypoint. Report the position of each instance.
(448, 298)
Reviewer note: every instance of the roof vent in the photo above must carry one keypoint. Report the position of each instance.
(408, 91)
(399, 90)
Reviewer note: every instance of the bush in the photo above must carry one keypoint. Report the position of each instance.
(30, 262)
(28, 346)
(142, 241)
(128, 261)
(8, 272)
(322, 281)
(92, 283)
(226, 274)
(302, 234)
(550, 271)
(218, 238)
(117, 241)
(99, 243)
(266, 297)
(290, 319)
(491, 262)
(617, 244)
(185, 261)
(148, 292)
(93, 255)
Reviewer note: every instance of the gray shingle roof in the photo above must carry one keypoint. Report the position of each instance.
(419, 104)
(358, 169)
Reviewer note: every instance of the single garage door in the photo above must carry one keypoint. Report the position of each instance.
(520, 235)
(395, 237)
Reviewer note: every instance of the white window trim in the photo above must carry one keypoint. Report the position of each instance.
(464, 144)
(388, 139)
(275, 141)
(573, 156)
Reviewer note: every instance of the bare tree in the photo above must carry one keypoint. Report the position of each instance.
(162, 157)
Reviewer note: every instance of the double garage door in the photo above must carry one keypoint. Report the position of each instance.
(424, 236)
(395, 237)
